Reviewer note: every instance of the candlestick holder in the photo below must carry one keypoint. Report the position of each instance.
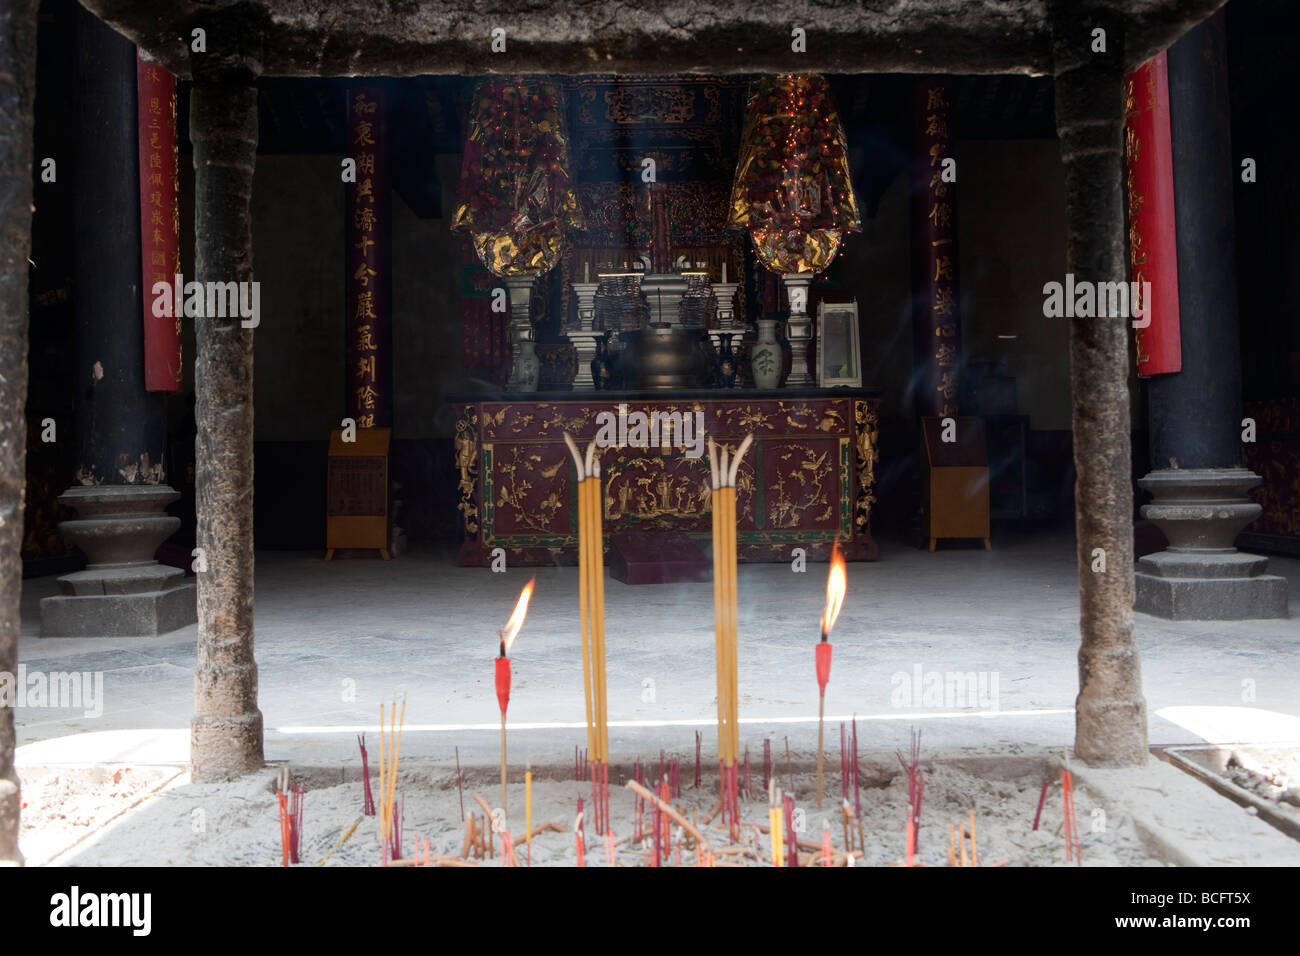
(585, 336)
(798, 328)
(524, 370)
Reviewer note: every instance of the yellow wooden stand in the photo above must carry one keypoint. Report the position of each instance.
(957, 482)
(356, 492)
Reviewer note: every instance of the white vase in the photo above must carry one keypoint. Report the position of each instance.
(765, 358)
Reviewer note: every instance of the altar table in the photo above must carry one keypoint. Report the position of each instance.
(807, 481)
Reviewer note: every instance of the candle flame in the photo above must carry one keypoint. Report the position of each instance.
(517, 618)
(835, 586)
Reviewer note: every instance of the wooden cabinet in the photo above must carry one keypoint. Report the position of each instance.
(808, 481)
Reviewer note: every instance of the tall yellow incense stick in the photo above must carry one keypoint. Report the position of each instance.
(584, 571)
(598, 617)
(394, 751)
(723, 459)
(733, 607)
(732, 614)
(724, 469)
(715, 505)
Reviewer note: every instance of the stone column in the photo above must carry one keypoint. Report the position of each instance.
(1110, 712)
(1199, 484)
(121, 493)
(17, 96)
(226, 731)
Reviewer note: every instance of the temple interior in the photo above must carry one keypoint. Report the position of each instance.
(857, 290)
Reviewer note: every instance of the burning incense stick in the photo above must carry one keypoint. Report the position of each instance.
(835, 587)
(502, 671)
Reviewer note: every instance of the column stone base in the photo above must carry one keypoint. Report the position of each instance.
(1201, 576)
(123, 591)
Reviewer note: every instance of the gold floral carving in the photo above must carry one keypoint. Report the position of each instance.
(744, 419)
(650, 489)
(867, 437)
(466, 443)
(786, 511)
(514, 484)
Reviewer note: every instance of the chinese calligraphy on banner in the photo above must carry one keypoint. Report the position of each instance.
(1152, 234)
(368, 277)
(159, 220)
(936, 317)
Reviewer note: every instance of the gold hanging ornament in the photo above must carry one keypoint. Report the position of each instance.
(792, 188)
(517, 198)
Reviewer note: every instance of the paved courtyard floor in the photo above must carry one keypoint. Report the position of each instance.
(334, 639)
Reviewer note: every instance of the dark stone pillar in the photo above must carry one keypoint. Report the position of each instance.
(1110, 712)
(122, 489)
(17, 96)
(1199, 484)
(226, 731)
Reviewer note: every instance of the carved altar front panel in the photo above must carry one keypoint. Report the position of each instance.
(806, 483)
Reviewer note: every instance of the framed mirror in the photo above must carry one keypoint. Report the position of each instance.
(838, 354)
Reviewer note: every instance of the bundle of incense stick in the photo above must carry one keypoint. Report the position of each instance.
(915, 788)
(368, 799)
(792, 838)
(774, 822)
(591, 610)
(388, 766)
(959, 834)
(395, 841)
(723, 471)
(1072, 850)
(299, 793)
(857, 791)
(282, 798)
(844, 765)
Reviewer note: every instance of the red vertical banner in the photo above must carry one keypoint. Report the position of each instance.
(936, 320)
(160, 225)
(368, 263)
(1152, 233)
